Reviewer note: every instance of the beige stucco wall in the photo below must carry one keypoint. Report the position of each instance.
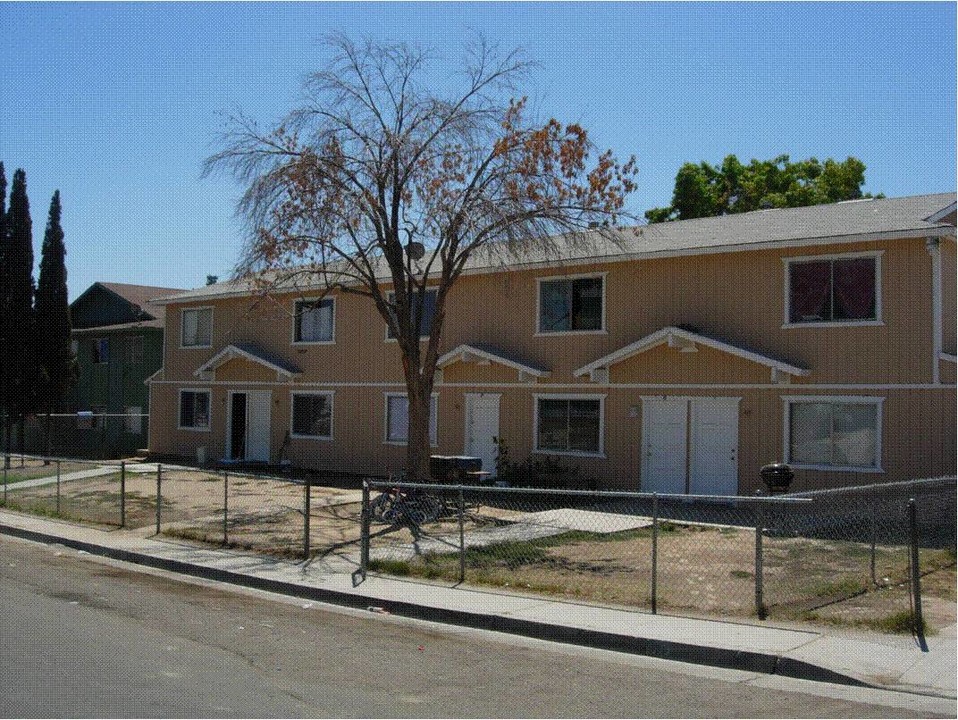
(736, 297)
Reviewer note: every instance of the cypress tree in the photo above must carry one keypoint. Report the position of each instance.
(3, 302)
(54, 352)
(17, 326)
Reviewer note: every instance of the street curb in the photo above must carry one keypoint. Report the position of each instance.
(745, 660)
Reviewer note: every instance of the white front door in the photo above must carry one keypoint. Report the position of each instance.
(690, 445)
(664, 445)
(713, 459)
(258, 425)
(482, 428)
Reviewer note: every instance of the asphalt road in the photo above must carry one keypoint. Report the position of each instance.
(85, 637)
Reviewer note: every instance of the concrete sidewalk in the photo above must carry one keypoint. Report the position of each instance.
(814, 653)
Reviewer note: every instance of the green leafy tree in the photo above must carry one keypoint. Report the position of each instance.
(704, 190)
(17, 325)
(54, 351)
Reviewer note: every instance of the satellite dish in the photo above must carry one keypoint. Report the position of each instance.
(415, 250)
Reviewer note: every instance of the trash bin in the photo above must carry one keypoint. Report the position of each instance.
(777, 477)
(454, 469)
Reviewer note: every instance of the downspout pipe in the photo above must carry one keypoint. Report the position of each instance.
(932, 246)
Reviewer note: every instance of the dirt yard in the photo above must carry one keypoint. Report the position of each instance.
(705, 570)
(702, 570)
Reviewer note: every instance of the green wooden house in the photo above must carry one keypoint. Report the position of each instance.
(118, 340)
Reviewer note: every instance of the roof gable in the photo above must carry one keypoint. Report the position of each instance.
(484, 354)
(685, 341)
(107, 304)
(251, 353)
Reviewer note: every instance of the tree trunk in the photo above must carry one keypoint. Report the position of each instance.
(418, 448)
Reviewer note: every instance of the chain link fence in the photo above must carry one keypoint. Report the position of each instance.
(90, 435)
(784, 556)
(851, 555)
(301, 517)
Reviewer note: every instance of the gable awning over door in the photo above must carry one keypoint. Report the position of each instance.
(687, 341)
(484, 354)
(251, 353)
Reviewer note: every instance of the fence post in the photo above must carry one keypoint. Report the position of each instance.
(6, 463)
(306, 504)
(759, 567)
(159, 495)
(655, 552)
(122, 493)
(58, 487)
(226, 513)
(917, 618)
(462, 538)
(873, 530)
(364, 532)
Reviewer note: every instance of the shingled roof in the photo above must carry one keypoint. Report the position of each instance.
(138, 297)
(871, 219)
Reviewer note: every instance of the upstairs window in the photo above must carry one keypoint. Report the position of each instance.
(571, 305)
(428, 312)
(314, 321)
(833, 290)
(197, 329)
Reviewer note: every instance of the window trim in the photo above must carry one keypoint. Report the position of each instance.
(95, 355)
(390, 296)
(294, 341)
(789, 400)
(209, 413)
(789, 261)
(330, 395)
(183, 311)
(433, 420)
(604, 330)
(536, 397)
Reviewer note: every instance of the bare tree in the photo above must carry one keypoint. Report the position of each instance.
(380, 185)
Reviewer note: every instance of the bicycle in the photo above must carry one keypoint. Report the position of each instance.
(397, 506)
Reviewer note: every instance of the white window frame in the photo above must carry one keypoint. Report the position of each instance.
(95, 350)
(433, 420)
(536, 397)
(391, 297)
(789, 261)
(789, 400)
(580, 276)
(332, 340)
(329, 395)
(209, 412)
(183, 312)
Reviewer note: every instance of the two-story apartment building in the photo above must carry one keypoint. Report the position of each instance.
(679, 359)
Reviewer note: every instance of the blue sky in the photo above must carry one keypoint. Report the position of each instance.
(118, 105)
